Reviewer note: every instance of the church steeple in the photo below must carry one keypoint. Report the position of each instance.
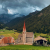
(24, 33)
(24, 27)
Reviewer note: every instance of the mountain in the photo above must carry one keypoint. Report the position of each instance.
(18, 15)
(38, 22)
(20, 19)
(5, 18)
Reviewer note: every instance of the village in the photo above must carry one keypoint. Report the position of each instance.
(26, 38)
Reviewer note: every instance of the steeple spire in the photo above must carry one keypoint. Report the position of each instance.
(24, 27)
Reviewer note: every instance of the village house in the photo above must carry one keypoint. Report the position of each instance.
(7, 40)
(25, 37)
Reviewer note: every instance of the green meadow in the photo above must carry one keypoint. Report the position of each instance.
(24, 47)
(9, 33)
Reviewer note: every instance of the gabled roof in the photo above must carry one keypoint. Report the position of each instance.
(29, 34)
(39, 38)
(8, 39)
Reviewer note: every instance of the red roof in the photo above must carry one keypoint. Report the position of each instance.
(24, 27)
(8, 39)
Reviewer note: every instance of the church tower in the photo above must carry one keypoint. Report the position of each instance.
(24, 33)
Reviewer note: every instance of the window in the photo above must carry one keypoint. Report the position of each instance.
(20, 38)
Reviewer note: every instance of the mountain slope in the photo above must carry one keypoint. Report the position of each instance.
(1, 25)
(5, 18)
(19, 19)
(39, 22)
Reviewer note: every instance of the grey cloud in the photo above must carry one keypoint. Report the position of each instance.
(24, 3)
(23, 6)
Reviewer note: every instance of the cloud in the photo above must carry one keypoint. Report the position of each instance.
(23, 6)
(3, 10)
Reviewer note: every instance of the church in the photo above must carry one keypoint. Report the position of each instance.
(26, 37)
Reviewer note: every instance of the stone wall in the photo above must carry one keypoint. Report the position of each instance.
(29, 40)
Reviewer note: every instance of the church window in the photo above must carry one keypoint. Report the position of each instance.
(20, 38)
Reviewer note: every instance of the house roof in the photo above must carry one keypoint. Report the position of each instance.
(28, 34)
(39, 38)
(7, 39)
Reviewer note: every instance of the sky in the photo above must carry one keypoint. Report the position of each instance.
(22, 6)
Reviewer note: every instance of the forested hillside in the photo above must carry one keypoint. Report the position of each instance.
(1, 25)
(39, 22)
(19, 19)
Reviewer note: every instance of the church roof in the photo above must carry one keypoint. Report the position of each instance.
(28, 34)
(20, 35)
(39, 38)
(24, 25)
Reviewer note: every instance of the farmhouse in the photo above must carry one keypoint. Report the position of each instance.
(7, 40)
(40, 41)
(25, 37)
(1, 41)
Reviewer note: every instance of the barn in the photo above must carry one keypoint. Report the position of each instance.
(40, 41)
(7, 40)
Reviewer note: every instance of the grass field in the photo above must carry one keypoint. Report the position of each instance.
(24, 47)
(9, 33)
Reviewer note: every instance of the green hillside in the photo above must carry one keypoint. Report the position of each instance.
(39, 22)
(9, 33)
